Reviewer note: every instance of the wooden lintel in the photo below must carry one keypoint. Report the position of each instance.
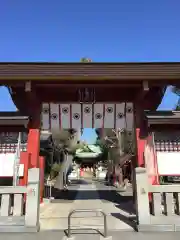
(90, 85)
(13, 128)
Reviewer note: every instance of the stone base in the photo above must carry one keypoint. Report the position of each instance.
(18, 229)
(156, 228)
(106, 238)
(177, 228)
(70, 238)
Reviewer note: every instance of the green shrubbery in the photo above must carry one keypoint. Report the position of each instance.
(55, 170)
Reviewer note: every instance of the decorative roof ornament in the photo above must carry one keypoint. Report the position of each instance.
(85, 60)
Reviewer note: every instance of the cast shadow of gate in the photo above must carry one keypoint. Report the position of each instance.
(103, 195)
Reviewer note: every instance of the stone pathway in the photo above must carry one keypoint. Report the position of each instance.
(53, 216)
(49, 235)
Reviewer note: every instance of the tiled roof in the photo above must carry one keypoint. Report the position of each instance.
(110, 71)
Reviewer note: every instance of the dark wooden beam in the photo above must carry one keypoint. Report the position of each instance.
(26, 102)
(89, 85)
(164, 127)
(101, 95)
(13, 128)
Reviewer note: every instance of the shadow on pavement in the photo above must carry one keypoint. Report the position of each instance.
(131, 221)
(127, 207)
(128, 214)
(113, 196)
(84, 231)
(103, 195)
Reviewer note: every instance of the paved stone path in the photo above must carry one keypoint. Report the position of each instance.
(49, 235)
(117, 206)
(88, 195)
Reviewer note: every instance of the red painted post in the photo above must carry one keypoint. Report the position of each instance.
(25, 159)
(140, 148)
(33, 146)
(41, 166)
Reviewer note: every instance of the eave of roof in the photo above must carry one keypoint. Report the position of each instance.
(163, 117)
(13, 122)
(12, 114)
(13, 118)
(87, 71)
(162, 114)
(89, 63)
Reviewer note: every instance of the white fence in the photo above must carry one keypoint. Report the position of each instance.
(158, 206)
(19, 210)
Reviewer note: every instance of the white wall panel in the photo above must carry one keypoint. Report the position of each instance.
(76, 116)
(87, 110)
(109, 117)
(55, 116)
(120, 116)
(45, 116)
(98, 115)
(129, 116)
(65, 113)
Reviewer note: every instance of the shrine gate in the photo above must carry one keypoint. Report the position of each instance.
(59, 96)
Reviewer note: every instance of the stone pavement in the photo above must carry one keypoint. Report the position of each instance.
(49, 235)
(89, 195)
(117, 206)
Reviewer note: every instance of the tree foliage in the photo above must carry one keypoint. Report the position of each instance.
(115, 144)
(80, 145)
(103, 146)
(85, 60)
(178, 108)
(176, 90)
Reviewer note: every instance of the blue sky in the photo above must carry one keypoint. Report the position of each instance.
(102, 30)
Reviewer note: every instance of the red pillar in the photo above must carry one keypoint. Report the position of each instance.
(141, 130)
(33, 146)
(41, 166)
(25, 159)
(140, 148)
(140, 142)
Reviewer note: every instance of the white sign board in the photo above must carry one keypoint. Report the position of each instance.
(7, 165)
(168, 163)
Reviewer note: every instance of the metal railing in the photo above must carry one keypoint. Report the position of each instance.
(87, 211)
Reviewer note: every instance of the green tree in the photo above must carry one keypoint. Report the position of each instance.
(178, 108)
(102, 144)
(115, 144)
(64, 141)
(176, 90)
(85, 60)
